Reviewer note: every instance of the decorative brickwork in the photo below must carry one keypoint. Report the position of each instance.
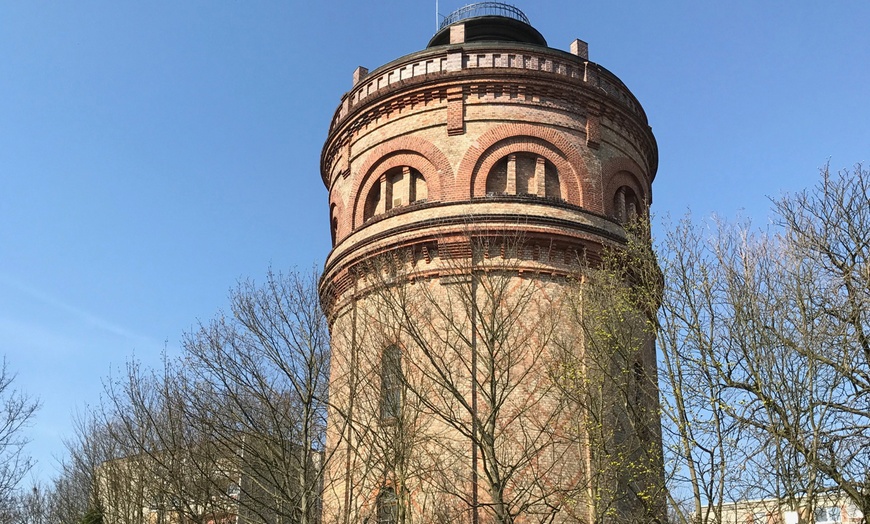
(518, 136)
(455, 111)
(487, 158)
(623, 172)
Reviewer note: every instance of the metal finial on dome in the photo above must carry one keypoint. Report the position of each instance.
(484, 9)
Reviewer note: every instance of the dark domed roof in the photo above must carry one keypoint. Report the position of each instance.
(489, 22)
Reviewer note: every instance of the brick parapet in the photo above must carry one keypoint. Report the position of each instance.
(536, 71)
(514, 56)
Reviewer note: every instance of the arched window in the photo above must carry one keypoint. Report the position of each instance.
(333, 222)
(387, 506)
(399, 186)
(373, 205)
(626, 205)
(391, 384)
(523, 174)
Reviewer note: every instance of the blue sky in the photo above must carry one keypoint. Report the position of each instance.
(153, 153)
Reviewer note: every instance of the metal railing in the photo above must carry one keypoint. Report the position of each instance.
(484, 9)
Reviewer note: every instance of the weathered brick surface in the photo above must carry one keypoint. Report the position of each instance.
(452, 113)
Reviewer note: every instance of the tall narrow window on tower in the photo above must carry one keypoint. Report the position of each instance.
(387, 506)
(333, 222)
(391, 384)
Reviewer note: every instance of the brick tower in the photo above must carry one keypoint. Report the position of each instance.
(466, 182)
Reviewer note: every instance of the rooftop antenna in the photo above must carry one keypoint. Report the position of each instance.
(436, 16)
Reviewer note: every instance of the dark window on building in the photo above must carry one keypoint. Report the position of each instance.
(626, 205)
(391, 384)
(333, 223)
(387, 506)
(827, 515)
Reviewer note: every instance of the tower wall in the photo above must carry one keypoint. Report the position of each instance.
(466, 182)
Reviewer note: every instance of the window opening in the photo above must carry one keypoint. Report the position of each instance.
(391, 384)
(397, 187)
(333, 223)
(524, 174)
(387, 506)
(626, 205)
(827, 515)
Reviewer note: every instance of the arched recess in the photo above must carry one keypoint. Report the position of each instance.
(337, 218)
(626, 205)
(524, 173)
(333, 222)
(396, 163)
(520, 155)
(507, 139)
(395, 187)
(625, 192)
(414, 153)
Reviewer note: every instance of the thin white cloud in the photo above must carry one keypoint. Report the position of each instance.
(80, 314)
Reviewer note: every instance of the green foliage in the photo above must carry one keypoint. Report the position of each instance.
(606, 372)
(93, 516)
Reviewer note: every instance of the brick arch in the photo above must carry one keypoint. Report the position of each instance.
(524, 145)
(622, 171)
(519, 137)
(416, 153)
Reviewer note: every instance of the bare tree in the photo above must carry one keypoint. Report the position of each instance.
(476, 339)
(31, 506)
(167, 466)
(235, 426)
(16, 412)
(771, 329)
(807, 381)
(705, 446)
(259, 390)
(232, 428)
(75, 494)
